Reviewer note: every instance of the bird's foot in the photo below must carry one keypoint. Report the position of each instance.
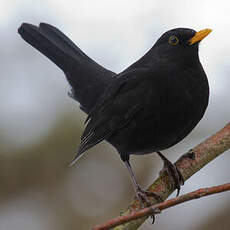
(173, 172)
(175, 176)
(142, 196)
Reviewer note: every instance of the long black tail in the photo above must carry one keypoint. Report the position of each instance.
(87, 78)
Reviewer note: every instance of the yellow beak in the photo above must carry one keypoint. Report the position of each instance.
(199, 36)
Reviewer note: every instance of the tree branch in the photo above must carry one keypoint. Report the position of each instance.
(163, 205)
(188, 164)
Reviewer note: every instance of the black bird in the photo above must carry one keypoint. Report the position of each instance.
(149, 107)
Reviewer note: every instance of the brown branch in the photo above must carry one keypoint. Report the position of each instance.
(188, 164)
(163, 205)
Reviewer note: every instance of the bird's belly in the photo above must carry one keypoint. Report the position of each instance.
(148, 134)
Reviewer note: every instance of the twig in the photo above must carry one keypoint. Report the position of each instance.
(163, 205)
(188, 164)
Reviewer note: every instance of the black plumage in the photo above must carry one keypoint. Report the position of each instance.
(149, 107)
(87, 78)
(153, 104)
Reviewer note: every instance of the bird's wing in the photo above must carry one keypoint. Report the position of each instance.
(120, 104)
(87, 78)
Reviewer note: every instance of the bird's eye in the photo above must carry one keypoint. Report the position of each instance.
(173, 40)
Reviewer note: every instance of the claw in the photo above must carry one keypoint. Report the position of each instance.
(155, 211)
(153, 219)
(175, 177)
(173, 172)
(143, 196)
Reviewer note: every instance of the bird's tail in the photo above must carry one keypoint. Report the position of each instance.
(53, 44)
(87, 78)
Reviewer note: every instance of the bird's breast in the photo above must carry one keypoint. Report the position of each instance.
(181, 103)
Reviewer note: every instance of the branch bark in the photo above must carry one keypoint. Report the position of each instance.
(163, 205)
(188, 164)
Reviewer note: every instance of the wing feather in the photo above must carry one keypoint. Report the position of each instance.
(116, 109)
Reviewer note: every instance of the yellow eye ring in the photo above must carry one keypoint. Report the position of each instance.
(173, 40)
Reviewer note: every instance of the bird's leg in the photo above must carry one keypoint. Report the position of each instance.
(173, 172)
(141, 194)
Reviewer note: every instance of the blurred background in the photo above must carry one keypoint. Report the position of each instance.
(40, 126)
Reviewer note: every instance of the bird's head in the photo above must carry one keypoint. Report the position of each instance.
(180, 43)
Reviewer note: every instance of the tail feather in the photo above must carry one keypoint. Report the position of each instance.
(63, 41)
(87, 78)
(61, 52)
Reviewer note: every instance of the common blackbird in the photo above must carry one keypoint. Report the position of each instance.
(149, 107)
